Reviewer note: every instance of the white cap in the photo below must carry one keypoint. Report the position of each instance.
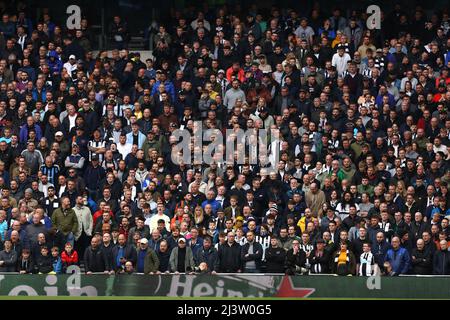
(72, 56)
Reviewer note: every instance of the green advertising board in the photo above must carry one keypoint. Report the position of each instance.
(226, 286)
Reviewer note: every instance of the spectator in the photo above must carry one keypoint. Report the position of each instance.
(8, 258)
(421, 259)
(295, 259)
(344, 261)
(122, 253)
(95, 258)
(398, 257)
(441, 260)
(275, 257)
(25, 263)
(229, 256)
(181, 258)
(69, 257)
(65, 220)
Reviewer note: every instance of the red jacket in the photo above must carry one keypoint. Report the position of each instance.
(98, 214)
(240, 75)
(69, 259)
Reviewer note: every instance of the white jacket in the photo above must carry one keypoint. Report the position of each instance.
(85, 221)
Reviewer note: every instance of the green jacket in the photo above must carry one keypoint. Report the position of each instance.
(151, 261)
(66, 221)
(347, 173)
(149, 144)
(357, 147)
(369, 189)
(340, 174)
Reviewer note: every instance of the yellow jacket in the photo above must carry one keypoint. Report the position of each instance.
(302, 223)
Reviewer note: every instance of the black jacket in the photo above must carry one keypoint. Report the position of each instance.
(164, 258)
(209, 256)
(229, 258)
(9, 261)
(44, 264)
(129, 253)
(319, 264)
(295, 261)
(255, 256)
(26, 265)
(441, 262)
(95, 260)
(275, 259)
(422, 264)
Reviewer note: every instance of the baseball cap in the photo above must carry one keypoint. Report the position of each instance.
(72, 56)
(28, 190)
(143, 240)
(182, 240)
(94, 157)
(59, 134)
(221, 71)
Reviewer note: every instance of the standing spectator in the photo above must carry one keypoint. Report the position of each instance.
(367, 265)
(229, 256)
(398, 257)
(344, 261)
(164, 257)
(441, 259)
(421, 259)
(251, 254)
(122, 253)
(181, 258)
(85, 225)
(65, 220)
(95, 259)
(207, 254)
(275, 257)
(147, 260)
(118, 32)
(295, 259)
(319, 258)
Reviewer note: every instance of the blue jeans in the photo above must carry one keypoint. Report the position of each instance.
(70, 239)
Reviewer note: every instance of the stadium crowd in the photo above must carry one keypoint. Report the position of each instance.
(361, 185)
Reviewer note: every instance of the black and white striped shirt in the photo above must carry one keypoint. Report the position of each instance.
(96, 144)
(366, 264)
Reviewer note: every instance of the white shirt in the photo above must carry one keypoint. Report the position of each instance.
(124, 149)
(70, 68)
(340, 62)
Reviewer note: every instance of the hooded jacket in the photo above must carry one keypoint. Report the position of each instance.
(54, 62)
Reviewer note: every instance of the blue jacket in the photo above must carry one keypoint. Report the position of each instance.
(141, 138)
(36, 96)
(214, 204)
(55, 64)
(23, 135)
(197, 246)
(399, 260)
(170, 89)
(57, 265)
